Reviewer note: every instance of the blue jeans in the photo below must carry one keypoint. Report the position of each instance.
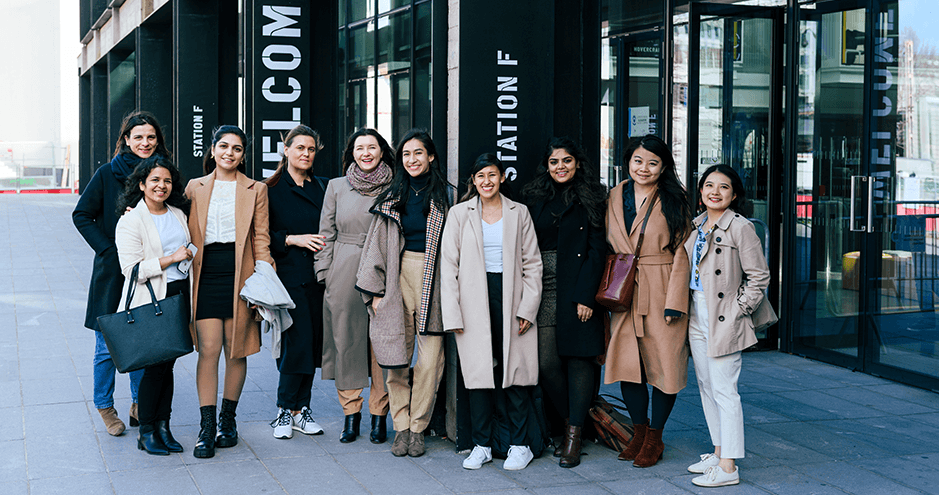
(104, 376)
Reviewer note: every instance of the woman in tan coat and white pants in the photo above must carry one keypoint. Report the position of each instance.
(490, 248)
(649, 342)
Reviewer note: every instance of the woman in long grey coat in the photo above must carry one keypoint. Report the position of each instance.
(489, 248)
(368, 163)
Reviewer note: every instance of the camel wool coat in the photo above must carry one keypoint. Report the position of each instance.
(661, 283)
(734, 275)
(466, 305)
(252, 241)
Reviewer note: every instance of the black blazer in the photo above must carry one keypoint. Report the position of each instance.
(95, 217)
(581, 258)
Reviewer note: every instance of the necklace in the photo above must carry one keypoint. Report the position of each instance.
(417, 192)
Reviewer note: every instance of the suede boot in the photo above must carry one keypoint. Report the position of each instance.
(570, 452)
(651, 450)
(133, 415)
(112, 423)
(205, 446)
(379, 429)
(351, 429)
(162, 427)
(148, 440)
(635, 445)
(227, 429)
(399, 448)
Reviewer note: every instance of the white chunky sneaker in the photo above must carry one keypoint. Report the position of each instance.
(479, 456)
(518, 458)
(283, 424)
(707, 460)
(304, 423)
(715, 476)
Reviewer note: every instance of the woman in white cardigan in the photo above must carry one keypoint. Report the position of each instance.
(155, 235)
(489, 248)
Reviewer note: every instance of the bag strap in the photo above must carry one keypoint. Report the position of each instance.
(642, 232)
(133, 286)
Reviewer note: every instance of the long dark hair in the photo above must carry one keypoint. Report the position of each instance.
(132, 194)
(437, 186)
(584, 186)
(482, 161)
(134, 119)
(300, 130)
(208, 161)
(387, 154)
(675, 205)
(740, 204)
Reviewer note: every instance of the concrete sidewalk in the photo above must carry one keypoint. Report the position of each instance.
(811, 427)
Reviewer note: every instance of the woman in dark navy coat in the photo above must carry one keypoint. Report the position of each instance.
(295, 201)
(567, 205)
(95, 217)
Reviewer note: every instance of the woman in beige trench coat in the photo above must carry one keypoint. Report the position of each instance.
(649, 342)
(489, 248)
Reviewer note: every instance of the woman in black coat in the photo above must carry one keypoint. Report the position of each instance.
(295, 201)
(567, 206)
(95, 216)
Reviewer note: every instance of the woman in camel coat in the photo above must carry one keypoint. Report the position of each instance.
(649, 342)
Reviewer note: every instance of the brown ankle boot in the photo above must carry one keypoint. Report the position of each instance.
(560, 445)
(112, 423)
(635, 445)
(570, 453)
(651, 450)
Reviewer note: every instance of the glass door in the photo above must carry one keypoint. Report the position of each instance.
(735, 111)
(831, 186)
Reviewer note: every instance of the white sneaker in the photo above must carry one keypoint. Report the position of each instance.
(283, 424)
(715, 476)
(518, 458)
(707, 460)
(478, 457)
(304, 423)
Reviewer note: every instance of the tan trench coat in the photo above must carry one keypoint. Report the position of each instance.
(252, 239)
(661, 283)
(466, 305)
(734, 275)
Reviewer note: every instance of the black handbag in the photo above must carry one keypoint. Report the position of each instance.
(147, 335)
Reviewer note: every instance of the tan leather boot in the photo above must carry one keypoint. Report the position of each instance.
(113, 423)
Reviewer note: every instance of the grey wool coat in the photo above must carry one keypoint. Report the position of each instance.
(379, 275)
(466, 305)
(344, 221)
(734, 275)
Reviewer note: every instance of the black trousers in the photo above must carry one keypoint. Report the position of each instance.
(512, 402)
(155, 394)
(294, 390)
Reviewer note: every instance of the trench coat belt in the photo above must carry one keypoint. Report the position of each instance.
(642, 305)
(354, 239)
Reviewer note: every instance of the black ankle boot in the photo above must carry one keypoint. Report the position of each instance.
(166, 436)
(379, 429)
(205, 447)
(149, 441)
(227, 430)
(351, 429)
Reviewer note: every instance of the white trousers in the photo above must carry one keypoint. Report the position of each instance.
(717, 383)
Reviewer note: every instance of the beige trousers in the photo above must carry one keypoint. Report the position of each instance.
(412, 406)
(351, 400)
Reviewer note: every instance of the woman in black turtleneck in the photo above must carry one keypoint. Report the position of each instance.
(399, 279)
(567, 206)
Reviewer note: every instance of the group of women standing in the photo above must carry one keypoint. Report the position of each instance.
(367, 256)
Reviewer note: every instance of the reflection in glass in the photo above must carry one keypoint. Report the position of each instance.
(361, 50)
(609, 173)
(394, 42)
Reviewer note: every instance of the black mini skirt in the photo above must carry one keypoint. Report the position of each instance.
(217, 282)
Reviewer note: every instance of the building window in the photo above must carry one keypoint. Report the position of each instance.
(385, 65)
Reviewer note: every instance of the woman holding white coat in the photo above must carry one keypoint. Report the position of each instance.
(489, 248)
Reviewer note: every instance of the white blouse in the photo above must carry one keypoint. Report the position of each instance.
(220, 222)
(492, 246)
(172, 236)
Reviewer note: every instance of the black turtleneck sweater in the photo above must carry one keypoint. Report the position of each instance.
(547, 223)
(414, 221)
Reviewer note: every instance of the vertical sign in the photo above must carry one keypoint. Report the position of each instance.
(278, 74)
(506, 86)
(884, 105)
